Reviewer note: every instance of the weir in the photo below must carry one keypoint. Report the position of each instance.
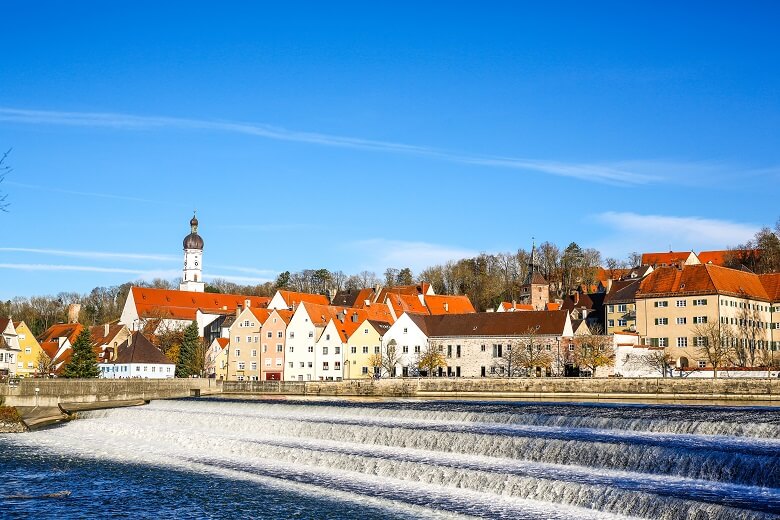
(658, 389)
(56, 392)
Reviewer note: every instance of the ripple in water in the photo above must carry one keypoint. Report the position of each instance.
(218, 458)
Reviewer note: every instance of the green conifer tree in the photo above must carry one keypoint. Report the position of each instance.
(83, 363)
(189, 348)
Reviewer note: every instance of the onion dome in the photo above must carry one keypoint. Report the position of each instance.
(193, 240)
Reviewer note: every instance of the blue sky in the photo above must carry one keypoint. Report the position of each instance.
(364, 135)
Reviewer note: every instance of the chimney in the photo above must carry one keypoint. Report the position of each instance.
(576, 297)
(247, 303)
(446, 307)
(609, 284)
(73, 312)
(367, 303)
(105, 330)
(238, 310)
(354, 317)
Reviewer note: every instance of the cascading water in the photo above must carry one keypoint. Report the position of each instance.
(401, 458)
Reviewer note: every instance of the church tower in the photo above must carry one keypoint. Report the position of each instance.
(192, 277)
(535, 291)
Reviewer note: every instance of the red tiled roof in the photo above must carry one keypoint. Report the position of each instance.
(183, 305)
(720, 257)
(260, 314)
(508, 306)
(408, 290)
(454, 304)
(702, 279)
(292, 298)
(402, 303)
(771, 283)
(553, 307)
(670, 258)
(223, 342)
(99, 336)
(61, 330)
(493, 324)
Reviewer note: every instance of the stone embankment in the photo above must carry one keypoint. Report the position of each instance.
(660, 389)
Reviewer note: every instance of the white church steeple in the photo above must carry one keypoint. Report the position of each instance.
(192, 276)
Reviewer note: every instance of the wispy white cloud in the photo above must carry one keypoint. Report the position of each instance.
(379, 254)
(92, 254)
(628, 232)
(610, 173)
(113, 196)
(139, 274)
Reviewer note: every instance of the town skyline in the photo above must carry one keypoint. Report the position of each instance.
(426, 142)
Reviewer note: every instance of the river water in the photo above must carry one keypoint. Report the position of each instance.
(329, 458)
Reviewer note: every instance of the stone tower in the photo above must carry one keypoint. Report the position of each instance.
(192, 276)
(535, 291)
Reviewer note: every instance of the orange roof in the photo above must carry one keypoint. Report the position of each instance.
(771, 283)
(702, 279)
(320, 315)
(720, 257)
(61, 330)
(183, 305)
(402, 303)
(99, 336)
(553, 307)
(223, 342)
(509, 306)
(408, 290)
(446, 304)
(379, 312)
(296, 298)
(260, 314)
(602, 275)
(670, 258)
(284, 314)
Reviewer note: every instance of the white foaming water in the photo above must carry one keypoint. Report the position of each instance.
(434, 462)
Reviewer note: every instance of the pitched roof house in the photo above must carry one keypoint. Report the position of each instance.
(138, 358)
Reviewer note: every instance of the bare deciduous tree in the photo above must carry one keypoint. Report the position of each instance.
(714, 341)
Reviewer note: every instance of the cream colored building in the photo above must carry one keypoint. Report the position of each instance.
(243, 356)
(671, 302)
(364, 341)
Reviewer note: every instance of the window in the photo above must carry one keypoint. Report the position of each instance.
(254, 352)
(622, 307)
(310, 364)
(310, 349)
(337, 350)
(663, 342)
(700, 342)
(611, 308)
(376, 350)
(269, 335)
(682, 342)
(571, 348)
(241, 365)
(302, 364)
(292, 335)
(702, 363)
(610, 323)
(311, 334)
(622, 323)
(327, 337)
(324, 351)
(683, 303)
(364, 371)
(290, 364)
(238, 352)
(365, 331)
(405, 349)
(700, 319)
(662, 321)
(279, 334)
(238, 339)
(702, 301)
(253, 365)
(246, 323)
(449, 350)
(417, 348)
(457, 350)
(498, 351)
(662, 303)
(268, 362)
(325, 365)
(365, 350)
(337, 365)
(28, 350)
(265, 349)
(682, 321)
(279, 347)
(405, 330)
(278, 362)
(290, 349)
(353, 350)
(482, 348)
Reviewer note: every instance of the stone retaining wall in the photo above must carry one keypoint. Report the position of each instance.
(623, 388)
(52, 392)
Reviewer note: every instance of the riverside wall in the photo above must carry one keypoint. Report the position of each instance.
(661, 389)
(53, 392)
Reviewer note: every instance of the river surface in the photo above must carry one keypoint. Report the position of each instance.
(331, 458)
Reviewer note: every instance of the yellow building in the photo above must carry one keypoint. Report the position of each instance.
(363, 341)
(30, 351)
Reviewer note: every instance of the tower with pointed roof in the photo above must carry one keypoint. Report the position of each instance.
(192, 275)
(535, 290)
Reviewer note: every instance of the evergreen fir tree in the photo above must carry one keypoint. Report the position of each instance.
(189, 348)
(83, 363)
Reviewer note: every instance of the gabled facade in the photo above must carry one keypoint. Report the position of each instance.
(273, 339)
(671, 259)
(216, 358)
(410, 338)
(364, 341)
(291, 300)
(9, 348)
(243, 357)
(137, 358)
(29, 353)
(307, 324)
